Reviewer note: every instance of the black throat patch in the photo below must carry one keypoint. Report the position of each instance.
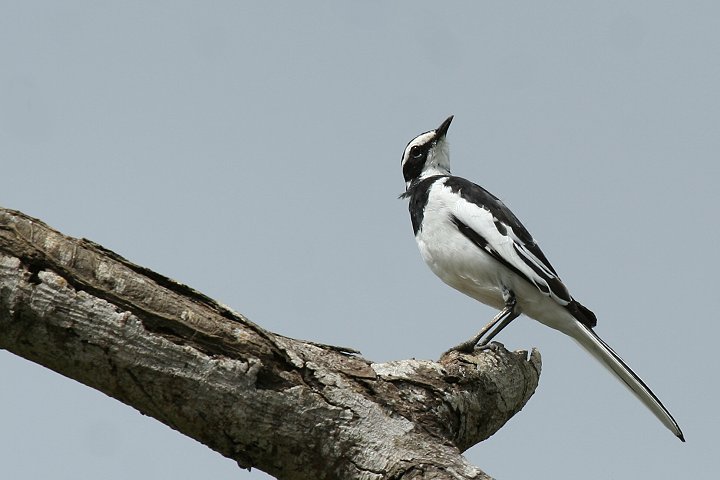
(419, 193)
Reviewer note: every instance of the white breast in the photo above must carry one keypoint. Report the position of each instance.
(467, 268)
(451, 256)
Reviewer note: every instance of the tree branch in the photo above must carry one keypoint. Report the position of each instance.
(294, 409)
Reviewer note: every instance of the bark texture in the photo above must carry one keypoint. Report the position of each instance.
(294, 409)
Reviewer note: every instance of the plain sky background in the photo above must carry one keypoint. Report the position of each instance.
(252, 151)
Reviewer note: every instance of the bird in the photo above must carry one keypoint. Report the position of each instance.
(475, 244)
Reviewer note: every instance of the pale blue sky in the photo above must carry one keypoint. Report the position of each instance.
(253, 152)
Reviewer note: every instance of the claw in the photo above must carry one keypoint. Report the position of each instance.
(493, 346)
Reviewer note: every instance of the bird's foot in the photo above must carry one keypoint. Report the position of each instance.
(494, 346)
(465, 347)
(484, 336)
(472, 345)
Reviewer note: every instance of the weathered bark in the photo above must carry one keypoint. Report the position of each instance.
(292, 408)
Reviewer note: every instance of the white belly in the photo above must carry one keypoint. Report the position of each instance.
(464, 266)
(460, 264)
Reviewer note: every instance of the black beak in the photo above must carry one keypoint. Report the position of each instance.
(441, 131)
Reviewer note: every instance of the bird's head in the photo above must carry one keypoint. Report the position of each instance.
(426, 155)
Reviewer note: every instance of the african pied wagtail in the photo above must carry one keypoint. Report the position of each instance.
(475, 244)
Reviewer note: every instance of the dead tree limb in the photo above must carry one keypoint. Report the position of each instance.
(294, 409)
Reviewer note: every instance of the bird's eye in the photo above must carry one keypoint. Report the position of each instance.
(416, 152)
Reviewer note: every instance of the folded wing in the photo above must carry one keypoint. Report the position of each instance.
(488, 223)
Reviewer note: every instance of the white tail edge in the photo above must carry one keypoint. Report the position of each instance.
(601, 351)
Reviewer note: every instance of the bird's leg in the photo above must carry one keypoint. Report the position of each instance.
(507, 315)
(512, 314)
